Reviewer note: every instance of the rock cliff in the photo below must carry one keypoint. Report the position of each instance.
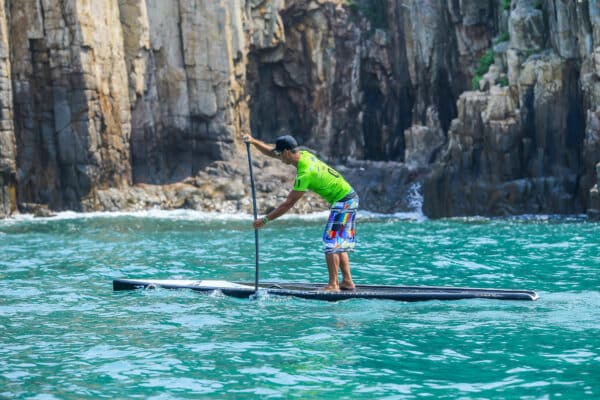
(528, 144)
(491, 105)
(7, 138)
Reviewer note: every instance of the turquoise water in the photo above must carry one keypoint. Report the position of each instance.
(65, 334)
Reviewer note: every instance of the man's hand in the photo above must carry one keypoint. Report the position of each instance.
(288, 203)
(258, 223)
(264, 148)
(246, 137)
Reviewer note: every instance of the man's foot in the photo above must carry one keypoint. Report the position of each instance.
(331, 288)
(347, 286)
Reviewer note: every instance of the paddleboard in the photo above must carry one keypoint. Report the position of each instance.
(314, 291)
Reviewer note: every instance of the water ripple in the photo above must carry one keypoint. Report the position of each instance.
(65, 334)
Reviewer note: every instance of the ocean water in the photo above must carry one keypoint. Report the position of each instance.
(64, 334)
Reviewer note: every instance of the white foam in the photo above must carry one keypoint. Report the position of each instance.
(415, 199)
(194, 215)
(184, 215)
(261, 295)
(413, 216)
(187, 215)
(524, 218)
(221, 284)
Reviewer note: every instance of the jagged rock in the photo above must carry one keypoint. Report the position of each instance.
(492, 165)
(501, 105)
(490, 78)
(500, 55)
(563, 19)
(423, 142)
(594, 209)
(527, 33)
(188, 91)
(70, 100)
(526, 27)
(234, 190)
(590, 82)
(38, 210)
(267, 27)
(7, 137)
(384, 186)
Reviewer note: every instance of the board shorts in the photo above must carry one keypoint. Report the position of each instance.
(341, 226)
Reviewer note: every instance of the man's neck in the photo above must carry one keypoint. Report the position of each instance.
(295, 159)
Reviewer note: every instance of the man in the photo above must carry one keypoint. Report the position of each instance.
(313, 174)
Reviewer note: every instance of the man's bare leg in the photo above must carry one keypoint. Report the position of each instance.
(347, 282)
(333, 263)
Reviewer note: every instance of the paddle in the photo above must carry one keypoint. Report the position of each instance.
(255, 214)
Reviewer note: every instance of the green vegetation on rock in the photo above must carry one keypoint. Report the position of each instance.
(483, 66)
(504, 37)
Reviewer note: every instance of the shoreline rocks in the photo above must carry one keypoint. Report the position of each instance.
(594, 209)
(225, 187)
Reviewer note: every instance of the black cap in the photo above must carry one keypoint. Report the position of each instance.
(286, 142)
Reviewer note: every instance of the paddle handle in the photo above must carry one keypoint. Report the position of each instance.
(255, 215)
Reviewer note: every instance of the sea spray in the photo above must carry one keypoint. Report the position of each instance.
(414, 198)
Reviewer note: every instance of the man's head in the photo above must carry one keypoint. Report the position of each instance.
(286, 148)
(286, 142)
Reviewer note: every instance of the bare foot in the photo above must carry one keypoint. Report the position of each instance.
(331, 288)
(347, 286)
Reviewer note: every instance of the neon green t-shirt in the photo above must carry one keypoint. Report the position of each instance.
(313, 174)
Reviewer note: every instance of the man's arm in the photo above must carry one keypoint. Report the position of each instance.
(288, 203)
(263, 147)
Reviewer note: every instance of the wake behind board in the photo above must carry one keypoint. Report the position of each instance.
(313, 291)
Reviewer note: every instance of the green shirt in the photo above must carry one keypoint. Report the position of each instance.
(313, 174)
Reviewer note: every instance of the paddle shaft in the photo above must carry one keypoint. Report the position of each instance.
(255, 215)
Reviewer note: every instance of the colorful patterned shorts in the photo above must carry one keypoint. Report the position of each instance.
(339, 232)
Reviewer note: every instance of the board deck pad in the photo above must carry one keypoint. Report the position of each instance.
(314, 291)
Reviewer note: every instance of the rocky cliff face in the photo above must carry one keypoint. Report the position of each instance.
(530, 146)
(525, 141)
(100, 98)
(7, 138)
(71, 115)
(110, 93)
(351, 79)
